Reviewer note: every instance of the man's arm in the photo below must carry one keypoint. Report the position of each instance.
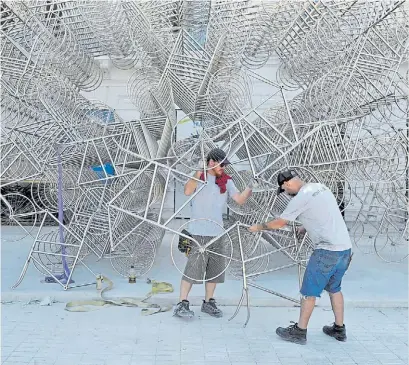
(191, 185)
(241, 198)
(295, 207)
(274, 224)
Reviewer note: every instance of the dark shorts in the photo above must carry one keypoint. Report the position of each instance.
(325, 271)
(208, 266)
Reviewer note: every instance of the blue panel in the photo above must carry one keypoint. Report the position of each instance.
(99, 170)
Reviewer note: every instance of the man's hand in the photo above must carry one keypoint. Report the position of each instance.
(275, 224)
(301, 230)
(258, 227)
(200, 165)
(254, 228)
(252, 184)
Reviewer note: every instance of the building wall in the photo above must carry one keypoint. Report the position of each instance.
(113, 92)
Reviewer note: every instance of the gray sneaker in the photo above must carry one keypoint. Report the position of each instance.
(182, 310)
(210, 308)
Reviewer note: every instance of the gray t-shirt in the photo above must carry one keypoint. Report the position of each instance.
(316, 208)
(209, 203)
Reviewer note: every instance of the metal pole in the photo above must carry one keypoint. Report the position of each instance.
(61, 214)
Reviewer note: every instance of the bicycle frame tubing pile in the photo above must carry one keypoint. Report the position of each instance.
(336, 110)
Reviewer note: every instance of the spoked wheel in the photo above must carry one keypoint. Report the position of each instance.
(18, 210)
(391, 242)
(208, 258)
(364, 241)
(393, 246)
(140, 254)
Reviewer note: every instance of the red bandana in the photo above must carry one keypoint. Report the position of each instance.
(220, 181)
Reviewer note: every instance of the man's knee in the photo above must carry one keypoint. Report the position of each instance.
(335, 294)
(309, 298)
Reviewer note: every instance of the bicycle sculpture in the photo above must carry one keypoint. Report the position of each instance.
(336, 110)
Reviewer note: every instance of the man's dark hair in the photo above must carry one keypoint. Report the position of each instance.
(217, 155)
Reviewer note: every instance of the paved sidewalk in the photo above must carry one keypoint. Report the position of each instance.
(363, 284)
(33, 334)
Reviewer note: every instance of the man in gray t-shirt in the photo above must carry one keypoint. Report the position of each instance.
(316, 208)
(207, 223)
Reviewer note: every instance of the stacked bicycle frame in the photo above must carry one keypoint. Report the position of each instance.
(80, 180)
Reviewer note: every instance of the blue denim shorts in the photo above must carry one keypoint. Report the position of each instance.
(325, 271)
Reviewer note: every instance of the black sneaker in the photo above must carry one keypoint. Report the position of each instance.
(338, 332)
(210, 308)
(293, 334)
(182, 310)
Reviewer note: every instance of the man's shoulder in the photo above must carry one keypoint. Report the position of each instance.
(314, 189)
(315, 186)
